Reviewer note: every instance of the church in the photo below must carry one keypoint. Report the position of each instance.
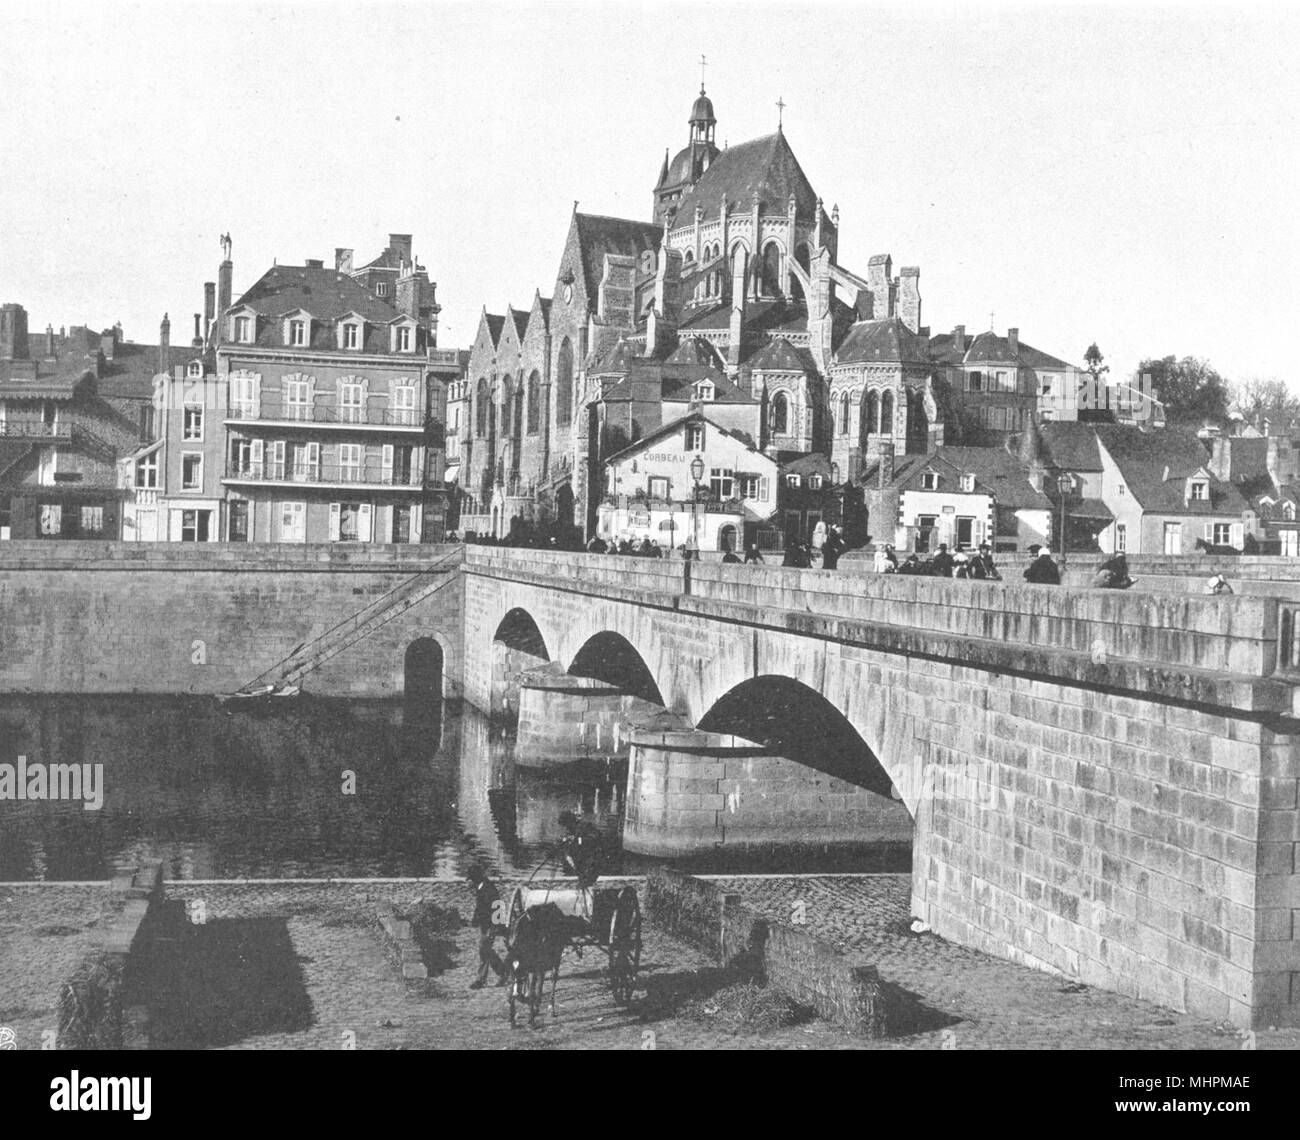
(734, 286)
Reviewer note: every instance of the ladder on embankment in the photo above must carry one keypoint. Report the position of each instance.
(356, 627)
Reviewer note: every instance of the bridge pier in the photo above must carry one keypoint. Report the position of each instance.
(563, 718)
(691, 790)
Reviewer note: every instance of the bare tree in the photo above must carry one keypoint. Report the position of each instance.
(1271, 401)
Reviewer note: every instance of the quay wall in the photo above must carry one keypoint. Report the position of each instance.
(98, 617)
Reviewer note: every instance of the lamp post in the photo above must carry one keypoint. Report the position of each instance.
(697, 473)
(1064, 485)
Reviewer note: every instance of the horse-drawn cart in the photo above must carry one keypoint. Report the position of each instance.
(606, 918)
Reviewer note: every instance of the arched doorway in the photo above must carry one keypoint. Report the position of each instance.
(727, 539)
(422, 672)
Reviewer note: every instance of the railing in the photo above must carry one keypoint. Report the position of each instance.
(329, 414)
(364, 621)
(34, 429)
(267, 472)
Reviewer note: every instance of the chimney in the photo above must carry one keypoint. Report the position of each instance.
(878, 283)
(198, 330)
(343, 260)
(164, 344)
(1013, 342)
(959, 340)
(314, 263)
(739, 272)
(209, 307)
(107, 343)
(400, 244)
(49, 342)
(225, 275)
(909, 297)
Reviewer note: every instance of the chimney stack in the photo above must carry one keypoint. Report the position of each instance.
(959, 340)
(209, 308)
(164, 344)
(314, 263)
(107, 344)
(909, 297)
(225, 277)
(878, 270)
(49, 342)
(1013, 341)
(343, 260)
(198, 333)
(400, 244)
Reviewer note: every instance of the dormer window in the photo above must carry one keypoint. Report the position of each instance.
(297, 333)
(968, 483)
(1288, 512)
(243, 330)
(792, 481)
(1198, 491)
(704, 390)
(381, 289)
(194, 369)
(350, 336)
(404, 340)
(815, 482)
(929, 481)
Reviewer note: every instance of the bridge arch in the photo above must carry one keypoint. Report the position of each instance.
(422, 670)
(517, 645)
(610, 657)
(797, 722)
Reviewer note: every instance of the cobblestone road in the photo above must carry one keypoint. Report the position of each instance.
(294, 966)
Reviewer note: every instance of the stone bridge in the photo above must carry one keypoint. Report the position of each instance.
(1101, 783)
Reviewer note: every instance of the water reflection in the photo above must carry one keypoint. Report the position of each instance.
(321, 788)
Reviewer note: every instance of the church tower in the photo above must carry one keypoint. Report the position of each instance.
(682, 172)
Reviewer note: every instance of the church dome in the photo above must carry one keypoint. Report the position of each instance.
(680, 169)
(702, 111)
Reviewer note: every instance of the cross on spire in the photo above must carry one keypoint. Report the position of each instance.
(703, 64)
(780, 111)
(990, 322)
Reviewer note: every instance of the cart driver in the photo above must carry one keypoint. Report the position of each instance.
(580, 849)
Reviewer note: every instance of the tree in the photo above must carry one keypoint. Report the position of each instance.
(1092, 359)
(1192, 392)
(1266, 400)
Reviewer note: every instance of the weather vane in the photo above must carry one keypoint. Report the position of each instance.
(703, 64)
(780, 111)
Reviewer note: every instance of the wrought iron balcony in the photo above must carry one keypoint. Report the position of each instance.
(34, 429)
(331, 414)
(331, 475)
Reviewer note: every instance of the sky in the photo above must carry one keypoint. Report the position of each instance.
(1114, 173)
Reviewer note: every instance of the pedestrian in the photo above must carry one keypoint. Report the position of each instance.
(941, 564)
(730, 556)
(982, 565)
(487, 904)
(752, 555)
(796, 557)
(1218, 585)
(597, 545)
(832, 548)
(912, 566)
(1042, 570)
(1112, 574)
(961, 566)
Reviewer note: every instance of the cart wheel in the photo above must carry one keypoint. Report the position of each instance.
(625, 945)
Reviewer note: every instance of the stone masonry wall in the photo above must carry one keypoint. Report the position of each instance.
(190, 619)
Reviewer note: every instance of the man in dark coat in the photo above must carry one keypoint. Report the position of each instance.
(982, 565)
(752, 555)
(941, 563)
(1042, 570)
(487, 903)
(832, 548)
(796, 556)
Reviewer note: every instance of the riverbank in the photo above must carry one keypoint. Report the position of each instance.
(300, 966)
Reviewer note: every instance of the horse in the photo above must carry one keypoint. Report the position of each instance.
(536, 947)
(1204, 546)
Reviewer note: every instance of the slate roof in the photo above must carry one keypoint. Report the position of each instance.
(615, 357)
(676, 425)
(324, 293)
(888, 340)
(1069, 445)
(695, 350)
(521, 323)
(1144, 456)
(679, 382)
(997, 472)
(598, 235)
(814, 463)
(766, 165)
(989, 348)
(495, 323)
(780, 355)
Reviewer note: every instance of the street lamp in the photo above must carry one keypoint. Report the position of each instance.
(1065, 485)
(697, 473)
